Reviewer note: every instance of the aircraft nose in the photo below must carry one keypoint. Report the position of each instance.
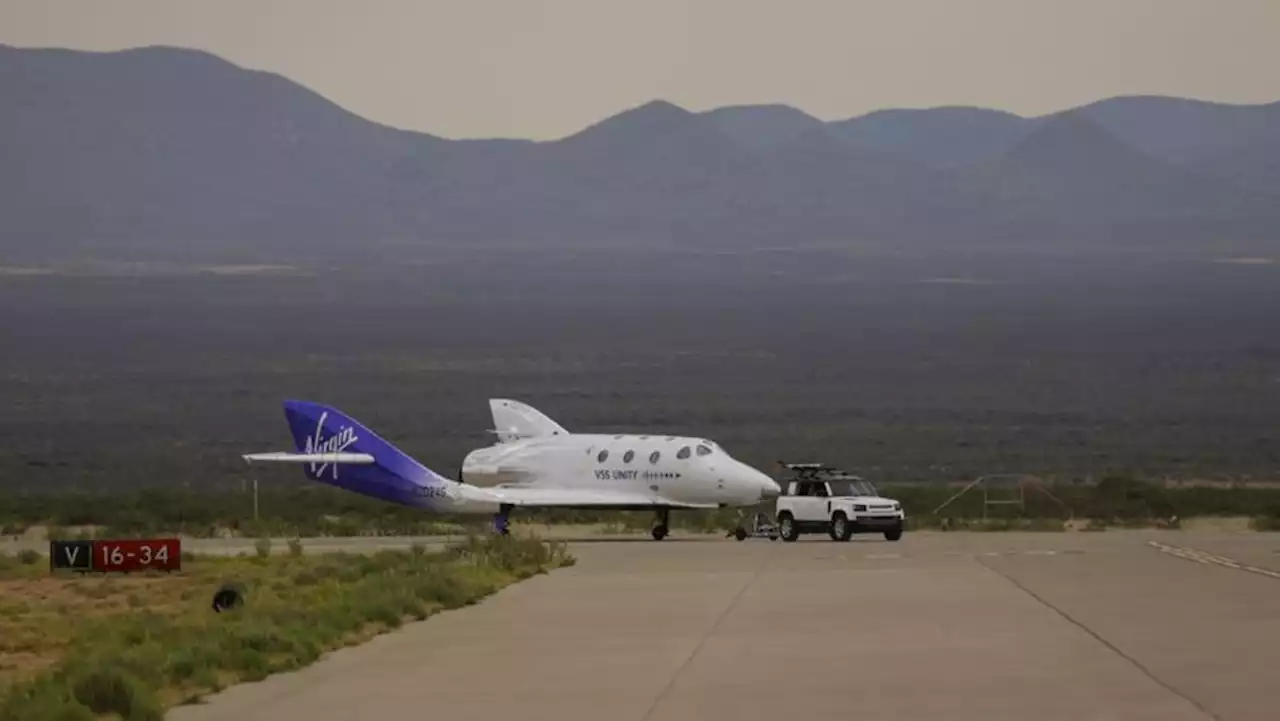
(769, 488)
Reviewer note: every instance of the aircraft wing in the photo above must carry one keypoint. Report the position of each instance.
(582, 498)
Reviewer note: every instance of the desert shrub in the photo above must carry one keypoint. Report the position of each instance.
(1266, 523)
(108, 690)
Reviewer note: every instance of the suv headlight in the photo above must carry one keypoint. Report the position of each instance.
(860, 507)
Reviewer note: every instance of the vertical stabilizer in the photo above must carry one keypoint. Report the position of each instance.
(390, 476)
(513, 420)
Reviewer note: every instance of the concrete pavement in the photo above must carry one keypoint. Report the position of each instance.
(957, 626)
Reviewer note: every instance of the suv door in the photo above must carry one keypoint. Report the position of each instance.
(811, 501)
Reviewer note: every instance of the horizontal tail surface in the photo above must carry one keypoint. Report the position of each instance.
(363, 459)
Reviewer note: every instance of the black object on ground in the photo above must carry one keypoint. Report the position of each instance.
(229, 596)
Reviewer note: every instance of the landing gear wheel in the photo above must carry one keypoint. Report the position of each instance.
(787, 528)
(664, 523)
(740, 533)
(840, 529)
(893, 535)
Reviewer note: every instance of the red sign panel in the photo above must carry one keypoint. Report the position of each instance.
(137, 554)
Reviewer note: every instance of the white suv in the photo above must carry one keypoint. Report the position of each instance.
(827, 500)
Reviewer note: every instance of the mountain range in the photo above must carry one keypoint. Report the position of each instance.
(167, 153)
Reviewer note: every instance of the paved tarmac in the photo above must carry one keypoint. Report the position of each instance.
(957, 626)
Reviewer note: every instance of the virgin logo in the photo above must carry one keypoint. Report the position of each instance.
(336, 443)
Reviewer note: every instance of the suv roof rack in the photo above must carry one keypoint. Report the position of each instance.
(818, 471)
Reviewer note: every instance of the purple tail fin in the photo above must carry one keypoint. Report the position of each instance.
(393, 476)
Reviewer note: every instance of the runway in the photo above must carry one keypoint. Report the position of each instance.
(956, 626)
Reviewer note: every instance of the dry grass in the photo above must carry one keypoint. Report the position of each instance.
(40, 613)
(1224, 524)
(134, 645)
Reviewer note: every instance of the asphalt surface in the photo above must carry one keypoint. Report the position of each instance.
(981, 627)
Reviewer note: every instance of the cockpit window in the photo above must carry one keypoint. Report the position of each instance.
(683, 453)
(653, 457)
(626, 457)
(703, 450)
(604, 455)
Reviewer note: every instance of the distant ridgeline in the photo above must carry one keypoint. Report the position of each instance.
(161, 152)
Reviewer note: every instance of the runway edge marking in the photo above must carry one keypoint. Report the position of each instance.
(1206, 558)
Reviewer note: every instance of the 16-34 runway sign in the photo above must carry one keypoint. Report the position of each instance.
(119, 556)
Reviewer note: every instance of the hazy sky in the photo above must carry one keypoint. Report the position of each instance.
(545, 68)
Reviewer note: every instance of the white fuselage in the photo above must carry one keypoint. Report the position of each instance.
(664, 469)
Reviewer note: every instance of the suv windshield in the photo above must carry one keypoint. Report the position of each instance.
(852, 488)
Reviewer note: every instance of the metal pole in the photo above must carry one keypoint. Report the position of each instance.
(255, 500)
(961, 492)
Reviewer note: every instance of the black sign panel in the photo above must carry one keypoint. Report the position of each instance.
(71, 555)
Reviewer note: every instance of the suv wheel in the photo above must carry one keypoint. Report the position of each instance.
(893, 535)
(787, 528)
(840, 529)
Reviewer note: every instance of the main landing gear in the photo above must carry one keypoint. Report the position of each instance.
(660, 529)
(502, 520)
